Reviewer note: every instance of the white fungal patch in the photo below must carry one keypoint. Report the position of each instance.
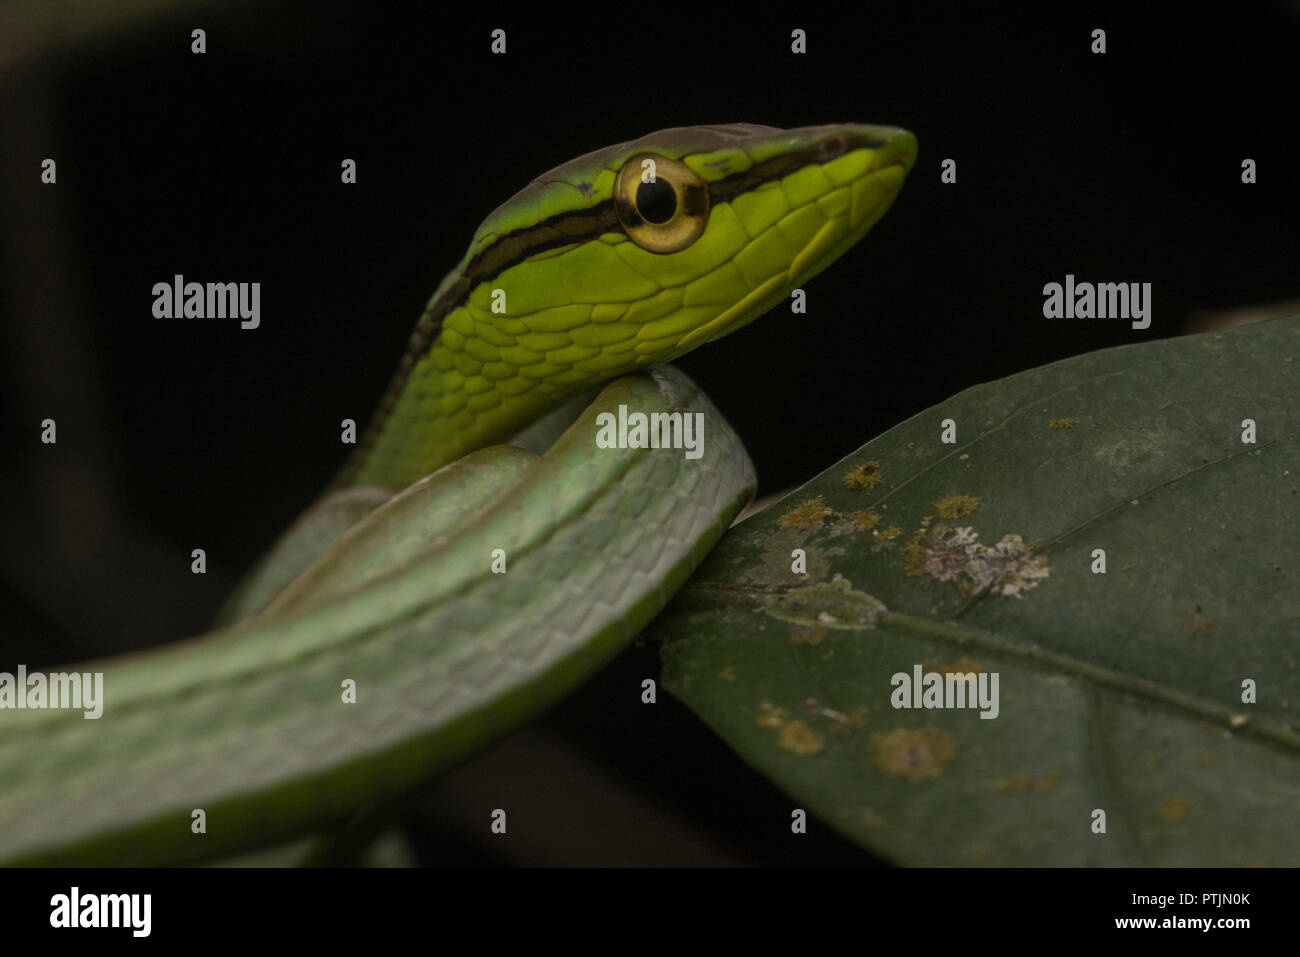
(956, 555)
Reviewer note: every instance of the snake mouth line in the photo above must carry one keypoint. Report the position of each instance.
(816, 255)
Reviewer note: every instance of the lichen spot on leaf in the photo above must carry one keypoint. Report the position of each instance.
(956, 506)
(828, 604)
(912, 754)
(866, 475)
(809, 513)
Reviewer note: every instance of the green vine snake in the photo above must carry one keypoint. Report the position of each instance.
(388, 636)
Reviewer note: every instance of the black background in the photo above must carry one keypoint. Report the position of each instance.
(179, 434)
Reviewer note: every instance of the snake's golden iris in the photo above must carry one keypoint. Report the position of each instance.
(662, 204)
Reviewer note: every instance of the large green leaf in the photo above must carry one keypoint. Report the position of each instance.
(1120, 691)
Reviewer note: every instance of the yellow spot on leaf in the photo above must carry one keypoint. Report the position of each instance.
(979, 850)
(807, 514)
(1049, 781)
(727, 674)
(1016, 784)
(955, 506)
(961, 666)
(866, 475)
(1200, 626)
(865, 520)
(801, 739)
(1172, 809)
(1063, 423)
(812, 635)
(914, 555)
(871, 819)
(889, 533)
(912, 754)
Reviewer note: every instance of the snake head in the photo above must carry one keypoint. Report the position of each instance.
(619, 259)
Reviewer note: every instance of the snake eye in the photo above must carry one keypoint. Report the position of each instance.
(662, 204)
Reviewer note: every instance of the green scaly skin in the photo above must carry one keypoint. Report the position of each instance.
(585, 312)
(248, 723)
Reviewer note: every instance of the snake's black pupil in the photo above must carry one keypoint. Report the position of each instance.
(656, 202)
